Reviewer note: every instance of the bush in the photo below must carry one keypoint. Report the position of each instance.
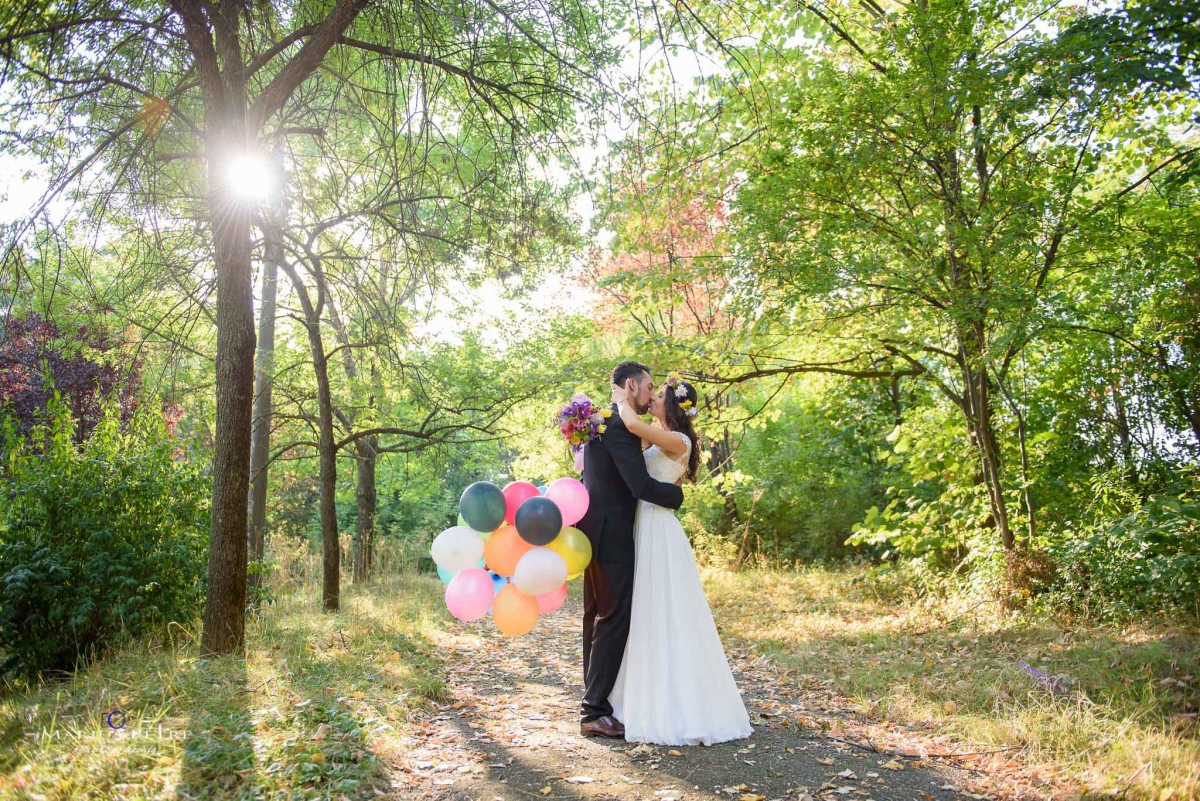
(1145, 561)
(98, 540)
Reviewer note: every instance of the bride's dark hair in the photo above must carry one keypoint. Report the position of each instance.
(677, 419)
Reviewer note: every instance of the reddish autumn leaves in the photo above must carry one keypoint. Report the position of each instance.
(84, 367)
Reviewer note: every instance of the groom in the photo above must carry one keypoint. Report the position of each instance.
(616, 478)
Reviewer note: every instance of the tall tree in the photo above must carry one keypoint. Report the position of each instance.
(130, 95)
(921, 194)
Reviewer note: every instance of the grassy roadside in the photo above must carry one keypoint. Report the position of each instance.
(316, 710)
(1128, 723)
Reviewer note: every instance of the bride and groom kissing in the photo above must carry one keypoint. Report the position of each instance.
(654, 668)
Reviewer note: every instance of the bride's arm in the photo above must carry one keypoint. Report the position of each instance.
(670, 442)
(618, 397)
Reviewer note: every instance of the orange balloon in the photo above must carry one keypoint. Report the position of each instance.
(503, 550)
(514, 612)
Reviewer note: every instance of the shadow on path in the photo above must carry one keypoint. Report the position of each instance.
(512, 732)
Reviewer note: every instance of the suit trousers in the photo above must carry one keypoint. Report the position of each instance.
(607, 603)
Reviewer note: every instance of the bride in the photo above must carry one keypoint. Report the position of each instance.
(674, 686)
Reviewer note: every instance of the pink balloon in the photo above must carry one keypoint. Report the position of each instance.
(571, 497)
(469, 594)
(516, 494)
(550, 601)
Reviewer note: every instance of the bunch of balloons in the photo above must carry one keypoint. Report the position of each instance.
(513, 551)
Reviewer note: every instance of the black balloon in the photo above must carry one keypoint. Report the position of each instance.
(482, 505)
(538, 520)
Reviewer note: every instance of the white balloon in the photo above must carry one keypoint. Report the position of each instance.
(457, 548)
(540, 570)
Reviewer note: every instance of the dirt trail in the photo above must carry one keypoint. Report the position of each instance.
(512, 732)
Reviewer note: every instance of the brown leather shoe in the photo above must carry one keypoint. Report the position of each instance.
(604, 726)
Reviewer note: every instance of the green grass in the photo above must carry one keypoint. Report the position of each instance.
(316, 710)
(319, 707)
(954, 664)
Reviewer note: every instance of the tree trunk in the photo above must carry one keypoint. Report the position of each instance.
(225, 607)
(720, 461)
(977, 396)
(1124, 436)
(366, 454)
(326, 447)
(364, 538)
(225, 117)
(260, 444)
(331, 554)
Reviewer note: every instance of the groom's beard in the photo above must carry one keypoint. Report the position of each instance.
(641, 410)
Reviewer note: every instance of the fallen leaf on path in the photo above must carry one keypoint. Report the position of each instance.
(580, 779)
(675, 753)
(892, 764)
(825, 760)
(545, 790)
(749, 797)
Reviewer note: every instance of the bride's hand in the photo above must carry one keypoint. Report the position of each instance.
(628, 415)
(618, 394)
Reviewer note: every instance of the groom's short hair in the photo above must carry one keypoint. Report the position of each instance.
(627, 370)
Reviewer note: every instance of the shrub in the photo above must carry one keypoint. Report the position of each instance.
(1145, 561)
(97, 540)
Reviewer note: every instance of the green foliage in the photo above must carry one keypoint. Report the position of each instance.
(1145, 561)
(97, 541)
(934, 510)
(815, 471)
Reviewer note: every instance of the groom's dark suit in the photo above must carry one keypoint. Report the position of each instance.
(614, 472)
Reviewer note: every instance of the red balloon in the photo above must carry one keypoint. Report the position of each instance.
(550, 601)
(516, 494)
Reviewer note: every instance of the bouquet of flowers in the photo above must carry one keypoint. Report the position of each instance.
(581, 421)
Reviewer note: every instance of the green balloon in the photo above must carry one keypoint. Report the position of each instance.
(482, 506)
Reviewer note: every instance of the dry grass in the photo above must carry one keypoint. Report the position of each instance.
(320, 705)
(1127, 723)
(315, 710)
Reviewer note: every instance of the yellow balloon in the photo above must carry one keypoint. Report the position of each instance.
(575, 549)
(574, 576)
(514, 612)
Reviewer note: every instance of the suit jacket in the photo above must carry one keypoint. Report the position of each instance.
(614, 472)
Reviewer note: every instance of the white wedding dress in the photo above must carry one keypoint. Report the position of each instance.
(674, 686)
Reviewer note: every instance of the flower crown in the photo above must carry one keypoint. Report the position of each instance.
(675, 384)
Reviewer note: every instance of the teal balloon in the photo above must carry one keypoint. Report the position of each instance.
(542, 489)
(446, 575)
(482, 506)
